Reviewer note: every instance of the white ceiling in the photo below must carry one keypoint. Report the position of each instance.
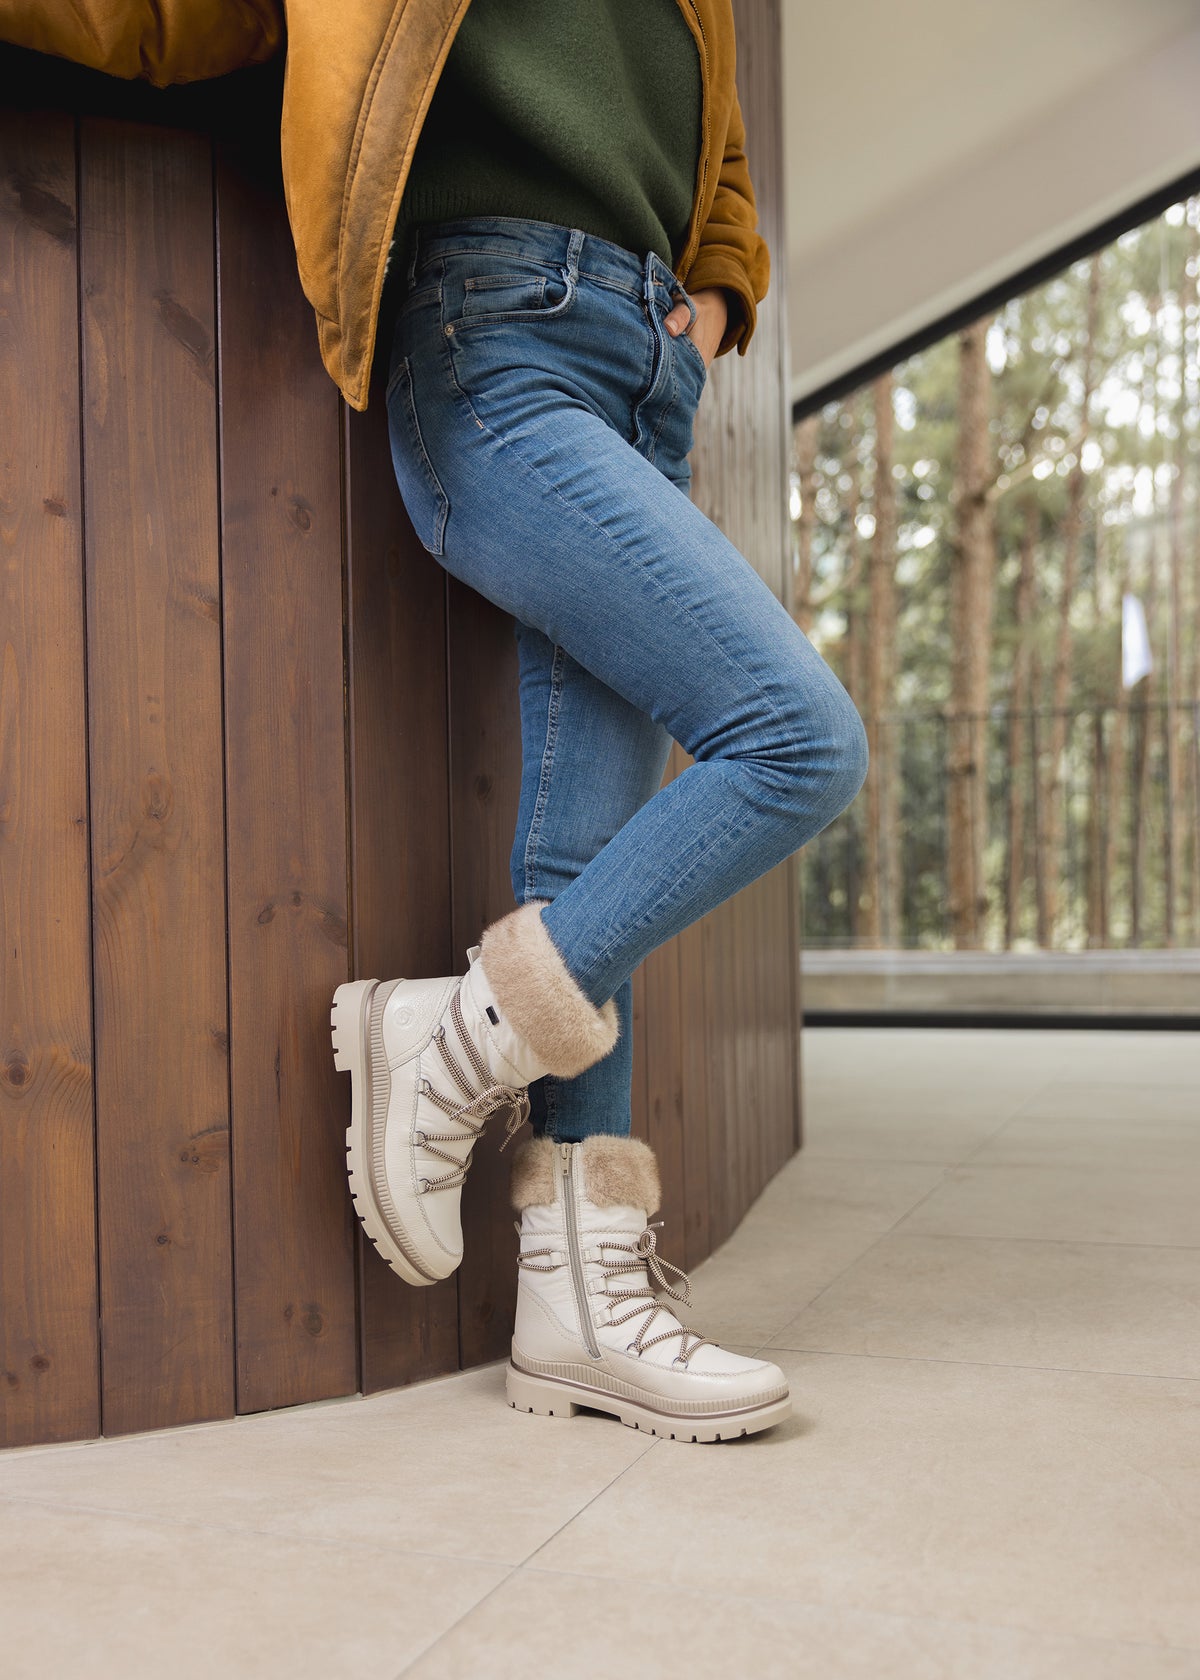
(934, 149)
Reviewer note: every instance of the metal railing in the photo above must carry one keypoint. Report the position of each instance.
(1100, 850)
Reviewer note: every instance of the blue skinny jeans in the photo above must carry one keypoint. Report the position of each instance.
(541, 418)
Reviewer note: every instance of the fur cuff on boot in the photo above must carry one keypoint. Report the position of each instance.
(617, 1172)
(540, 998)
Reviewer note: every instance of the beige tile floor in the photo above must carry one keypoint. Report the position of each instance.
(982, 1276)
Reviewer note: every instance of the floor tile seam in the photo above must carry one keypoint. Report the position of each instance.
(1016, 1114)
(1068, 1242)
(1051, 1242)
(873, 1244)
(654, 1441)
(888, 1160)
(836, 1607)
(980, 1364)
(420, 1655)
(1091, 1168)
(57, 1507)
(1187, 1088)
(521, 1564)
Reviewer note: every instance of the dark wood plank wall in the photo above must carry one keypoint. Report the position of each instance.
(153, 668)
(252, 742)
(49, 1334)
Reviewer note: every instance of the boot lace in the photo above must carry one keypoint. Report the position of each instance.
(470, 1117)
(644, 1260)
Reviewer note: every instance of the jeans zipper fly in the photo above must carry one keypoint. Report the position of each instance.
(577, 1278)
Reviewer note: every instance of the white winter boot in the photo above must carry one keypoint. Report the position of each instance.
(430, 1060)
(590, 1328)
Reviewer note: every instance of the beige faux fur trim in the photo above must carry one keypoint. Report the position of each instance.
(539, 996)
(533, 1174)
(621, 1172)
(617, 1172)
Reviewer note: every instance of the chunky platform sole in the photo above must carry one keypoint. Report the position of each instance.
(551, 1397)
(356, 1028)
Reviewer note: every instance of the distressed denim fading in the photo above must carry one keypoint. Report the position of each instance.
(541, 417)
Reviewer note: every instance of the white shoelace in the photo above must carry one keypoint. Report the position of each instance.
(471, 1116)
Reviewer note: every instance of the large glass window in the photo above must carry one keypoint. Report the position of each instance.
(996, 547)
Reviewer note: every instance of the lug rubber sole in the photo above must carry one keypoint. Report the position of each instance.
(355, 1017)
(550, 1397)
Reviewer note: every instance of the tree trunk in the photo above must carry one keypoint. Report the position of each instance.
(1100, 789)
(1060, 699)
(860, 883)
(882, 812)
(1018, 733)
(807, 434)
(972, 570)
(1148, 686)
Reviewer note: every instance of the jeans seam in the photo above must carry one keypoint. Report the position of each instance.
(537, 820)
(658, 334)
(400, 386)
(672, 892)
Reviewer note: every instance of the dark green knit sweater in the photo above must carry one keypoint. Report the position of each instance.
(581, 112)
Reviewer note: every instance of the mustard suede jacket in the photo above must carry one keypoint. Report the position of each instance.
(358, 79)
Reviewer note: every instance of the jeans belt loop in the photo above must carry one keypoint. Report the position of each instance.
(574, 246)
(649, 279)
(682, 296)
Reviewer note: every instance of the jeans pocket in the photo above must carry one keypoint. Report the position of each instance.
(503, 294)
(425, 501)
(694, 355)
(496, 291)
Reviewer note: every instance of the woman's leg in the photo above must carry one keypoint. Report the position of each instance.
(590, 760)
(544, 419)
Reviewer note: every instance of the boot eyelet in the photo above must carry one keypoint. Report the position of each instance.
(424, 1185)
(419, 1138)
(424, 1087)
(631, 1347)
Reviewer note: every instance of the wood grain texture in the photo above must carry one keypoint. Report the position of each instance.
(154, 669)
(286, 793)
(49, 1370)
(399, 827)
(739, 968)
(305, 765)
(485, 779)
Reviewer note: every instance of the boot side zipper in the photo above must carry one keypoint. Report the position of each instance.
(573, 1254)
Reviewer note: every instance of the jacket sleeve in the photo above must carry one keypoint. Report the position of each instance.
(163, 41)
(732, 253)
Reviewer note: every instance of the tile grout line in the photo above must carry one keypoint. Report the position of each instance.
(981, 1364)
(55, 1507)
(1069, 1242)
(524, 1562)
(1049, 1634)
(946, 1167)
